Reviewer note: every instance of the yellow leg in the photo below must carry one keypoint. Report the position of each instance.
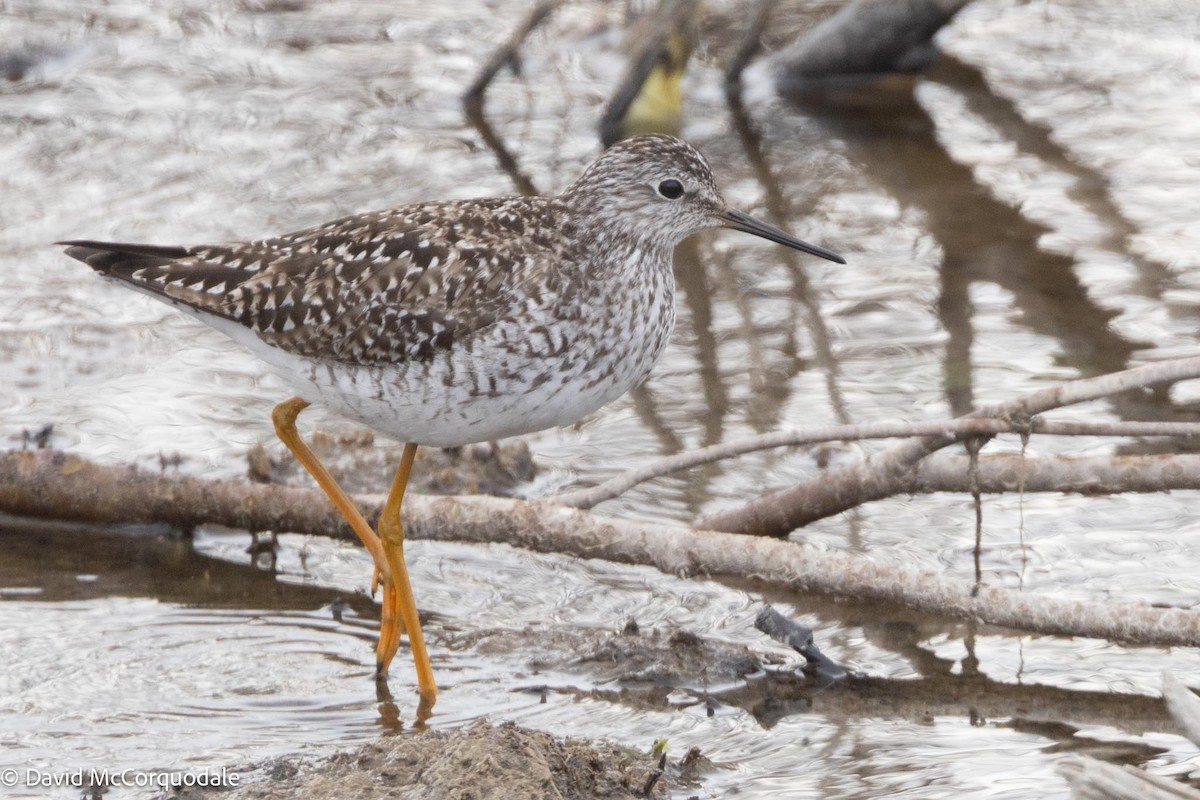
(392, 532)
(284, 417)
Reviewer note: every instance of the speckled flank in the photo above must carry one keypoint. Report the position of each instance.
(444, 323)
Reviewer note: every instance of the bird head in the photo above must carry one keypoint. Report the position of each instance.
(661, 189)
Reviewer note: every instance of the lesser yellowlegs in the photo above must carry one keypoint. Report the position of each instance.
(447, 323)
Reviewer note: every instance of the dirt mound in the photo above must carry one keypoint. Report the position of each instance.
(482, 762)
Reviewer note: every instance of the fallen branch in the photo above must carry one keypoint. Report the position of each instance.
(617, 485)
(55, 485)
(883, 474)
(1067, 474)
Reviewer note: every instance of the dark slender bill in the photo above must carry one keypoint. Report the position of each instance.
(748, 224)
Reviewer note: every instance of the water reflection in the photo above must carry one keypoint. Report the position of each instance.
(186, 124)
(982, 239)
(204, 598)
(802, 292)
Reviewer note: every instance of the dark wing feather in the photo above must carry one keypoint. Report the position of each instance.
(171, 273)
(105, 256)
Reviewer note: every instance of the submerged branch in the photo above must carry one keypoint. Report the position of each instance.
(52, 484)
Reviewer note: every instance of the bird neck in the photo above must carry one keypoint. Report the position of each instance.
(609, 230)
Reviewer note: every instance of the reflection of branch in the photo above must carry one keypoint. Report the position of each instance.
(955, 311)
(587, 498)
(778, 212)
(47, 483)
(508, 162)
(646, 408)
(696, 293)
(983, 239)
(881, 474)
(508, 53)
(472, 99)
(1090, 188)
(948, 695)
(750, 44)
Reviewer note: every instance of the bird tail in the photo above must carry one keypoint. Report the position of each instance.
(118, 260)
(170, 274)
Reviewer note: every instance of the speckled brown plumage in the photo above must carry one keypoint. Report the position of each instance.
(457, 321)
(380, 288)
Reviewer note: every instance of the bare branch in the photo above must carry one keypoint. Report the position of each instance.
(882, 474)
(52, 484)
(615, 486)
(1070, 474)
(57, 485)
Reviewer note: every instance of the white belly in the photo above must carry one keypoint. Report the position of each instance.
(465, 397)
(412, 406)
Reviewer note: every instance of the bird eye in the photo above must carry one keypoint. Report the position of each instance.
(671, 189)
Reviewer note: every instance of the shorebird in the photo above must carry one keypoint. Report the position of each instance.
(447, 323)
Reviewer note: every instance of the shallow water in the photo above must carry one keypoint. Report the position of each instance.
(1028, 215)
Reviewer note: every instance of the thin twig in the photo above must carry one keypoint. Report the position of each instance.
(877, 476)
(617, 485)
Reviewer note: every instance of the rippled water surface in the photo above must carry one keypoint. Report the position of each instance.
(1029, 214)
